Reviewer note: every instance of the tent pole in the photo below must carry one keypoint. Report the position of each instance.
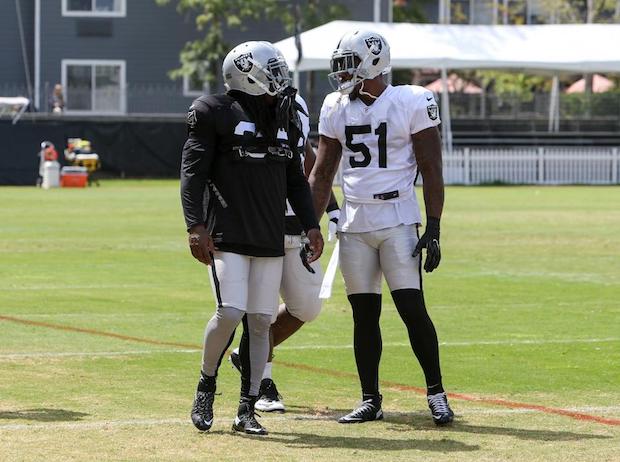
(296, 77)
(553, 104)
(377, 11)
(557, 105)
(446, 123)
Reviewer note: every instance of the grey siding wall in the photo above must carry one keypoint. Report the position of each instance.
(148, 39)
(12, 71)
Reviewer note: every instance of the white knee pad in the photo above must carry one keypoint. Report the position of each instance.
(307, 311)
(259, 324)
(228, 315)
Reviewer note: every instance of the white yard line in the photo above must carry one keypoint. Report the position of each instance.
(105, 424)
(60, 354)
(458, 344)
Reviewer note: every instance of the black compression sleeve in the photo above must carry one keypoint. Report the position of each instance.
(198, 153)
(333, 204)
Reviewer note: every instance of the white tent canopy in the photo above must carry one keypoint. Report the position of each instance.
(15, 106)
(566, 47)
(577, 48)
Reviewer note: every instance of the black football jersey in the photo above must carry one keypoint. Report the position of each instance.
(237, 183)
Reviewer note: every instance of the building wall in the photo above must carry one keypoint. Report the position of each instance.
(148, 39)
(13, 81)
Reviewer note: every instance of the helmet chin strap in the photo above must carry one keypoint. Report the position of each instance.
(365, 93)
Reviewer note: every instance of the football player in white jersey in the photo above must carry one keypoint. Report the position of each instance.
(300, 284)
(382, 135)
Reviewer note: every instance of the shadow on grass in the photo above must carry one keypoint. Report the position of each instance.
(409, 421)
(311, 440)
(44, 415)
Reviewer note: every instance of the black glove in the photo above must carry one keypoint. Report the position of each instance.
(430, 241)
(304, 253)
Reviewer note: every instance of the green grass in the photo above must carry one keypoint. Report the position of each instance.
(526, 303)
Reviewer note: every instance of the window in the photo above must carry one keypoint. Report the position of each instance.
(96, 87)
(105, 8)
(194, 86)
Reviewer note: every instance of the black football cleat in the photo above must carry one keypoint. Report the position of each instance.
(202, 410)
(246, 422)
(269, 400)
(440, 409)
(369, 410)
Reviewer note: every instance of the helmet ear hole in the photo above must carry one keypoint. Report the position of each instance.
(375, 61)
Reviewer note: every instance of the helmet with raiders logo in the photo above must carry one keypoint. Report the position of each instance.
(256, 68)
(360, 55)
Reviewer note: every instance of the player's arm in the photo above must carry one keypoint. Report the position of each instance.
(196, 159)
(298, 194)
(333, 209)
(323, 172)
(427, 148)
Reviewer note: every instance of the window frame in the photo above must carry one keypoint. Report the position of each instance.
(206, 89)
(93, 13)
(93, 63)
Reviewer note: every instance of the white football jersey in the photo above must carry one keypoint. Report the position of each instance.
(378, 163)
(305, 128)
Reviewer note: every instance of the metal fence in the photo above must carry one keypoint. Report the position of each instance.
(136, 98)
(534, 105)
(524, 165)
(168, 98)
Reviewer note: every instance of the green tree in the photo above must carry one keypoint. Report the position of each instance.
(515, 84)
(201, 58)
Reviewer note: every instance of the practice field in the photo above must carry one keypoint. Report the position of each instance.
(102, 313)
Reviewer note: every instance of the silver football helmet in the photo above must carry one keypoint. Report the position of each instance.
(256, 68)
(360, 55)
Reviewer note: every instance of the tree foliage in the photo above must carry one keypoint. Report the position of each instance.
(516, 84)
(201, 58)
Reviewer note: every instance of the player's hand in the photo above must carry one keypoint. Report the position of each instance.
(430, 242)
(332, 224)
(201, 244)
(315, 244)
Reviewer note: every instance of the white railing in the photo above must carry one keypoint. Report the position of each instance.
(530, 165)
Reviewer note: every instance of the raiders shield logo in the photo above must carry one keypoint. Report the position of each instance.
(192, 119)
(433, 111)
(374, 44)
(243, 62)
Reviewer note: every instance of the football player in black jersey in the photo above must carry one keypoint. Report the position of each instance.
(300, 286)
(239, 165)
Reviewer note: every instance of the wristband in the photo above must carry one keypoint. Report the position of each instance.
(334, 215)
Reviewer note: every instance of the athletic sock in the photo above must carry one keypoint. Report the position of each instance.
(267, 371)
(434, 389)
(422, 334)
(367, 339)
(206, 382)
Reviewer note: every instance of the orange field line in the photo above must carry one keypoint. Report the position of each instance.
(330, 372)
(94, 332)
(464, 397)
